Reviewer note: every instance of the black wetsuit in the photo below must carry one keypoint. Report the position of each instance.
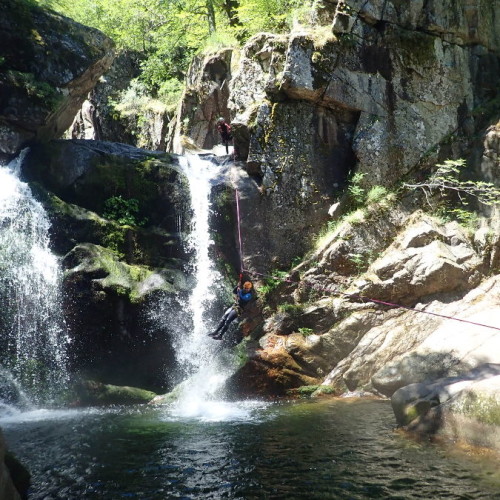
(231, 313)
(225, 134)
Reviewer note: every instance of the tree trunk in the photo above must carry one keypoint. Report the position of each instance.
(231, 9)
(211, 16)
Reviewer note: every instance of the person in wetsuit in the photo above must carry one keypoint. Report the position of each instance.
(243, 295)
(225, 132)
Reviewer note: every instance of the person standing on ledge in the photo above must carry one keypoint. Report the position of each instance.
(242, 295)
(225, 132)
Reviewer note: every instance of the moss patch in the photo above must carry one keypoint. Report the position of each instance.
(414, 48)
(105, 268)
(485, 409)
(95, 393)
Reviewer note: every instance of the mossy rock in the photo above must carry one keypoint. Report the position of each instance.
(40, 100)
(90, 392)
(104, 268)
(482, 407)
(89, 173)
(72, 224)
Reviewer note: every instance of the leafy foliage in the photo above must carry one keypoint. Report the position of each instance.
(123, 211)
(467, 218)
(272, 282)
(169, 32)
(446, 180)
(306, 331)
(356, 191)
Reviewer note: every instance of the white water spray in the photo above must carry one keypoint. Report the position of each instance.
(34, 342)
(196, 352)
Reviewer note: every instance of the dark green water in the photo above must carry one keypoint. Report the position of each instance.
(343, 449)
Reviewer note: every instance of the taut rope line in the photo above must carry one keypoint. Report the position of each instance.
(352, 296)
(368, 299)
(238, 221)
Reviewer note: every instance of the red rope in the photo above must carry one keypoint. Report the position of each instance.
(238, 221)
(375, 301)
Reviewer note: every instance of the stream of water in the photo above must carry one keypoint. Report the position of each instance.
(198, 446)
(204, 365)
(33, 337)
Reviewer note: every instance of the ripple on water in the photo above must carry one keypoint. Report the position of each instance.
(247, 450)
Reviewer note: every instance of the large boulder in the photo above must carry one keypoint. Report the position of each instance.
(49, 65)
(108, 308)
(407, 346)
(462, 408)
(8, 489)
(92, 174)
(427, 258)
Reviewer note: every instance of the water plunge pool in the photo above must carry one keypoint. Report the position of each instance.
(338, 449)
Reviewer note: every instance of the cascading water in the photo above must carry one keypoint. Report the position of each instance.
(32, 334)
(205, 370)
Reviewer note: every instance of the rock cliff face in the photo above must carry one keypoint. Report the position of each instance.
(49, 65)
(386, 89)
(378, 89)
(204, 101)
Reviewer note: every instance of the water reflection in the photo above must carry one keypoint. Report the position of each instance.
(332, 449)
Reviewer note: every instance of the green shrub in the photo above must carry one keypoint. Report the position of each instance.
(124, 211)
(448, 195)
(446, 182)
(292, 310)
(306, 331)
(356, 191)
(170, 92)
(356, 217)
(467, 218)
(377, 194)
(271, 282)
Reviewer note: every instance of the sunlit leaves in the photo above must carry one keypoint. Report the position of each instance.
(446, 179)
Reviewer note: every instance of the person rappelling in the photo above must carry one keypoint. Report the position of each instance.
(243, 295)
(225, 132)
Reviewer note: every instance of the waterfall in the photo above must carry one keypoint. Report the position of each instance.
(204, 364)
(33, 340)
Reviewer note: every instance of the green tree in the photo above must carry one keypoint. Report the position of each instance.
(167, 33)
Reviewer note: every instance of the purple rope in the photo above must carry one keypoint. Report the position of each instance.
(238, 219)
(376, 301)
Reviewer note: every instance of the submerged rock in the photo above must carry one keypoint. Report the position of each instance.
(92, 393)
(462, 408)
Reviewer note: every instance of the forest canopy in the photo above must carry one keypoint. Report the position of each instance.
(167, 33)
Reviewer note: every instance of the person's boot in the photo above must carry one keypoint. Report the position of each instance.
(220, 333)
